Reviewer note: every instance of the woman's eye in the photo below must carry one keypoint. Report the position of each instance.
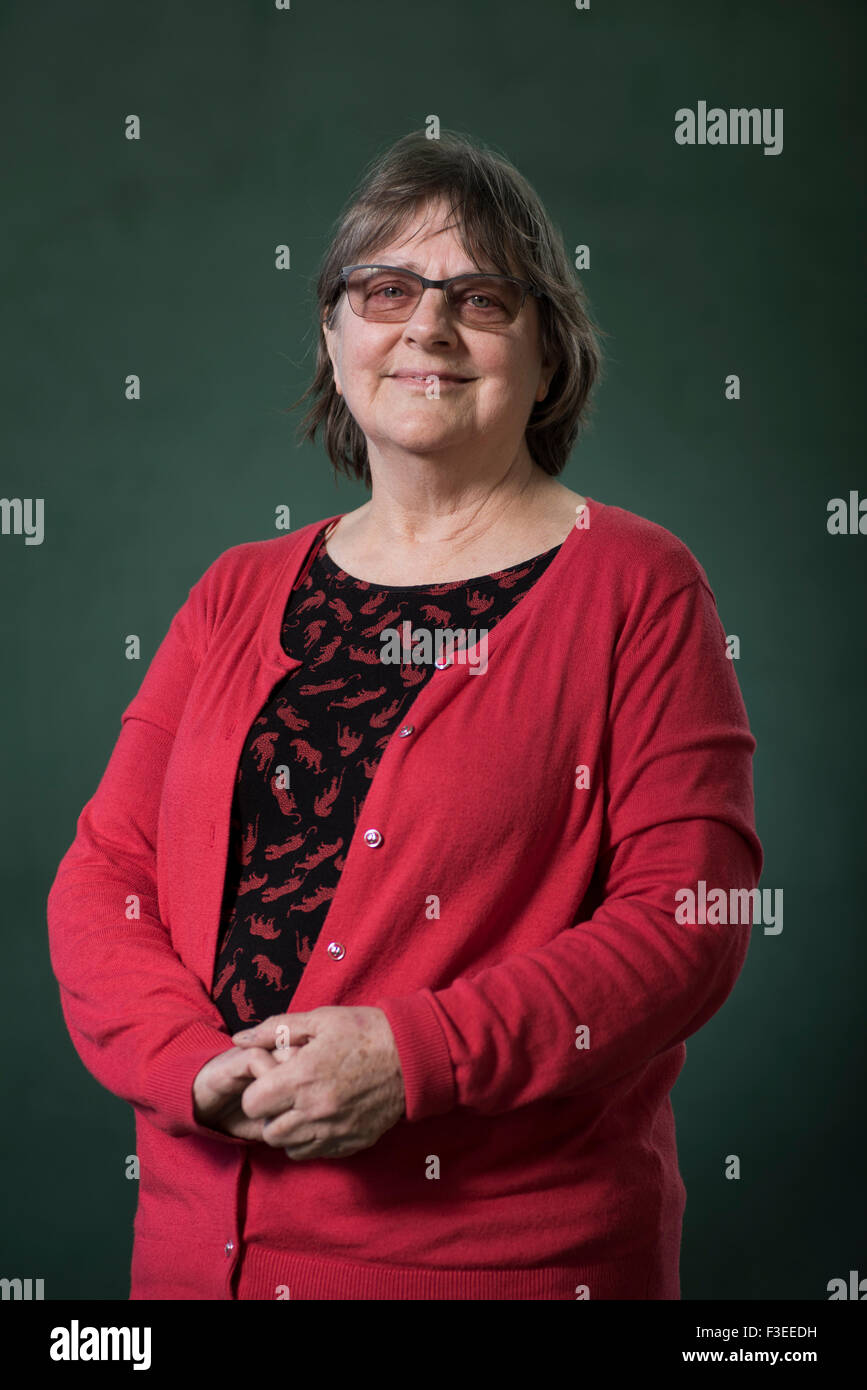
(389, 289)
(487, 301)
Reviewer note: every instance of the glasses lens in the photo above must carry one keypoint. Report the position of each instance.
(479, 301)
(377, 293)
(483, 301)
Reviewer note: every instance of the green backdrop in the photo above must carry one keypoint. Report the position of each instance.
(157, 257)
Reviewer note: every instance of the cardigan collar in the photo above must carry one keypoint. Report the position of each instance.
(301, 552)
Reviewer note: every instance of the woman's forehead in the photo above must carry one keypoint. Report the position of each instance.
(420, 227)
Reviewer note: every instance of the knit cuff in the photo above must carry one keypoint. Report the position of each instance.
(172, 1076)
(425, 1060)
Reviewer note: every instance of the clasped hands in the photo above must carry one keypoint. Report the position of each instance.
(322, 1084)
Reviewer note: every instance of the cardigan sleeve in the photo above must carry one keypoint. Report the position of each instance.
(677, 763)
(140, 1021)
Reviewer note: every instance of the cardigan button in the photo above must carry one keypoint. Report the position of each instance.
(442, 662)
(373, 838)
(230, 1245)
(406, 731)
(335, 950)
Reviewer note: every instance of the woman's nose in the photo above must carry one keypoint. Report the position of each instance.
(431, 315)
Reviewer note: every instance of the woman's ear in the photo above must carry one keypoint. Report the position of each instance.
(546, 377)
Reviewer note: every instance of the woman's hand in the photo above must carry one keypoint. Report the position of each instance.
(219, 1086)
(332, 1086)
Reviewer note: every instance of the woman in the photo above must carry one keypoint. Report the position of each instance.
(376, 914)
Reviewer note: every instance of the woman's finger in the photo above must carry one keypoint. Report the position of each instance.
(259, 1060)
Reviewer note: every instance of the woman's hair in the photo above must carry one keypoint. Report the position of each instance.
(501, 223)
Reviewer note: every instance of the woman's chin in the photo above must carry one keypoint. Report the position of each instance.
(423, 436)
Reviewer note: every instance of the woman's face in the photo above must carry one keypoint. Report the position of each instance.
(504, 363)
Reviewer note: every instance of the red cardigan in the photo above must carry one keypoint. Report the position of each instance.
(540, 1017)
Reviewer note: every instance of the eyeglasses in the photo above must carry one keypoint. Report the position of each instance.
(390, 294)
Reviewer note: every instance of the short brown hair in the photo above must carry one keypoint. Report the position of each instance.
(500, 220)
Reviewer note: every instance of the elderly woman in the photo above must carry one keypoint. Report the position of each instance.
(408, 875)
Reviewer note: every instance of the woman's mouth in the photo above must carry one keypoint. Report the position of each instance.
(425, 378)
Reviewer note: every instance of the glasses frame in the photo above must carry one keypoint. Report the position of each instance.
(427, 284)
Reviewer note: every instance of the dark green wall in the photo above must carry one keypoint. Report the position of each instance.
(156, 257)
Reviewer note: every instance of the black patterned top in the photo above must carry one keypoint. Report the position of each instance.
(312, 751)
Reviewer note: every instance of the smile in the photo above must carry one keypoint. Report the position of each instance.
(423, 378)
